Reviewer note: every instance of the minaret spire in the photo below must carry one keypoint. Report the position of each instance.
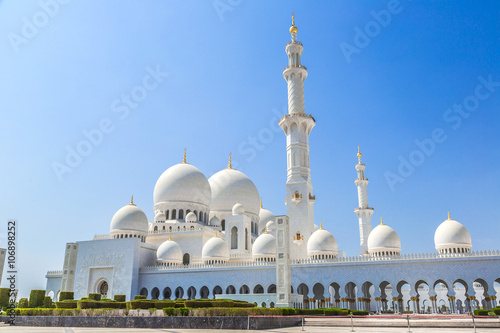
(184, 159)
(230, 163)
(363, 212)
(297, 126)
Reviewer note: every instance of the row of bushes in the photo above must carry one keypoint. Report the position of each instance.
(486, 312)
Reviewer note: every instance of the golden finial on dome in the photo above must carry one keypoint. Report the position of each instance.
(321, 225)
(265, 229)
(170, 237)
(293, 28)
(216, 233)
(359, 155)
(449, 218)
(261, 202)
(184, 159)
(230, 164)
(131, 200)
(381, 221)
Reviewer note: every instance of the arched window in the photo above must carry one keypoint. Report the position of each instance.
(185, 259)
(174, 214)
(201, 217)
(103, 288)
(166, 215)
(246, 238)
(234, 238)
(223, 225)
(181, 214)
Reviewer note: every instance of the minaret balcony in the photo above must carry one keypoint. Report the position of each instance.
(296, 197)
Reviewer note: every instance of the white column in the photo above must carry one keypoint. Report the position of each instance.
(283, 276)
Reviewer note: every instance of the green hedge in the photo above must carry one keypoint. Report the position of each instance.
(64, 295)
(4, 297)
(101, 304)
(335, 312)
(120, 298)
(36, 298)
(94, 297)
(496, 311)
(360, 313)
(67, 304)
(139, 297)
(47, 302)
(481, 312)
(311, 312)
(23, 303)
(141, 304)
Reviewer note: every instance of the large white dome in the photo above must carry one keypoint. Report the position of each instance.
(215, 249)
(182, 182)
(229, 186)
(322, 243)
(264, 247)
(264, 217)
(169, 252)
(451, 235)
(384, 240)
(129, 219)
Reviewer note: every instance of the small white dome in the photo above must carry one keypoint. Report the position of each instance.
(264, 247)
(264, 217)
(129, 218)
(215, 221)
(182, 182)
(383, 240)
(322, 243)
(229, 185)
(271, 226)
(160, 216)
(452, 235)
(169, 252)
(191, 217)
(238, 209)
(215, 249)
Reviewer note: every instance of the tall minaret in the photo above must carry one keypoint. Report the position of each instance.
(364, 212)
(297, 126)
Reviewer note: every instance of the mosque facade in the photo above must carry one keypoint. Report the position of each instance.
(211, 237)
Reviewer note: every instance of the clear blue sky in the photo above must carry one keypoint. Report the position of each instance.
(224, 87)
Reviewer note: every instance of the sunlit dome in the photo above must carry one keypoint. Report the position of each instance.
(264, 247)
(264, 217)
(191, 217)
(383, 240)
(231, 185)
(129, 219)
(238, 209)
(322, 245)
(215, 250)
(169, 252)
(182, 182)
(452, 237)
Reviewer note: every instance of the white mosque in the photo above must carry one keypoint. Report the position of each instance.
(212, 238)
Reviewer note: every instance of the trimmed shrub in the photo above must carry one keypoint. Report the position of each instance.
(67, 304)
(311, 312)
(179, 304)
(481, 312)
(101, 304)
(287, 311)
(139, 297)
(23, 303)
(141, 304)
(47, 302)
(120, 298)
(94, 297)
(4, 297)
(84, 299)
(64, 295)
(496, 311)
(360, 313)
(168, 311)
(106, 299)
(36, 298)
(198, 304)
(166, 303)
(184, 311)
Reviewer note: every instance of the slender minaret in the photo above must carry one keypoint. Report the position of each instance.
(297, 126)
(363, 212)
